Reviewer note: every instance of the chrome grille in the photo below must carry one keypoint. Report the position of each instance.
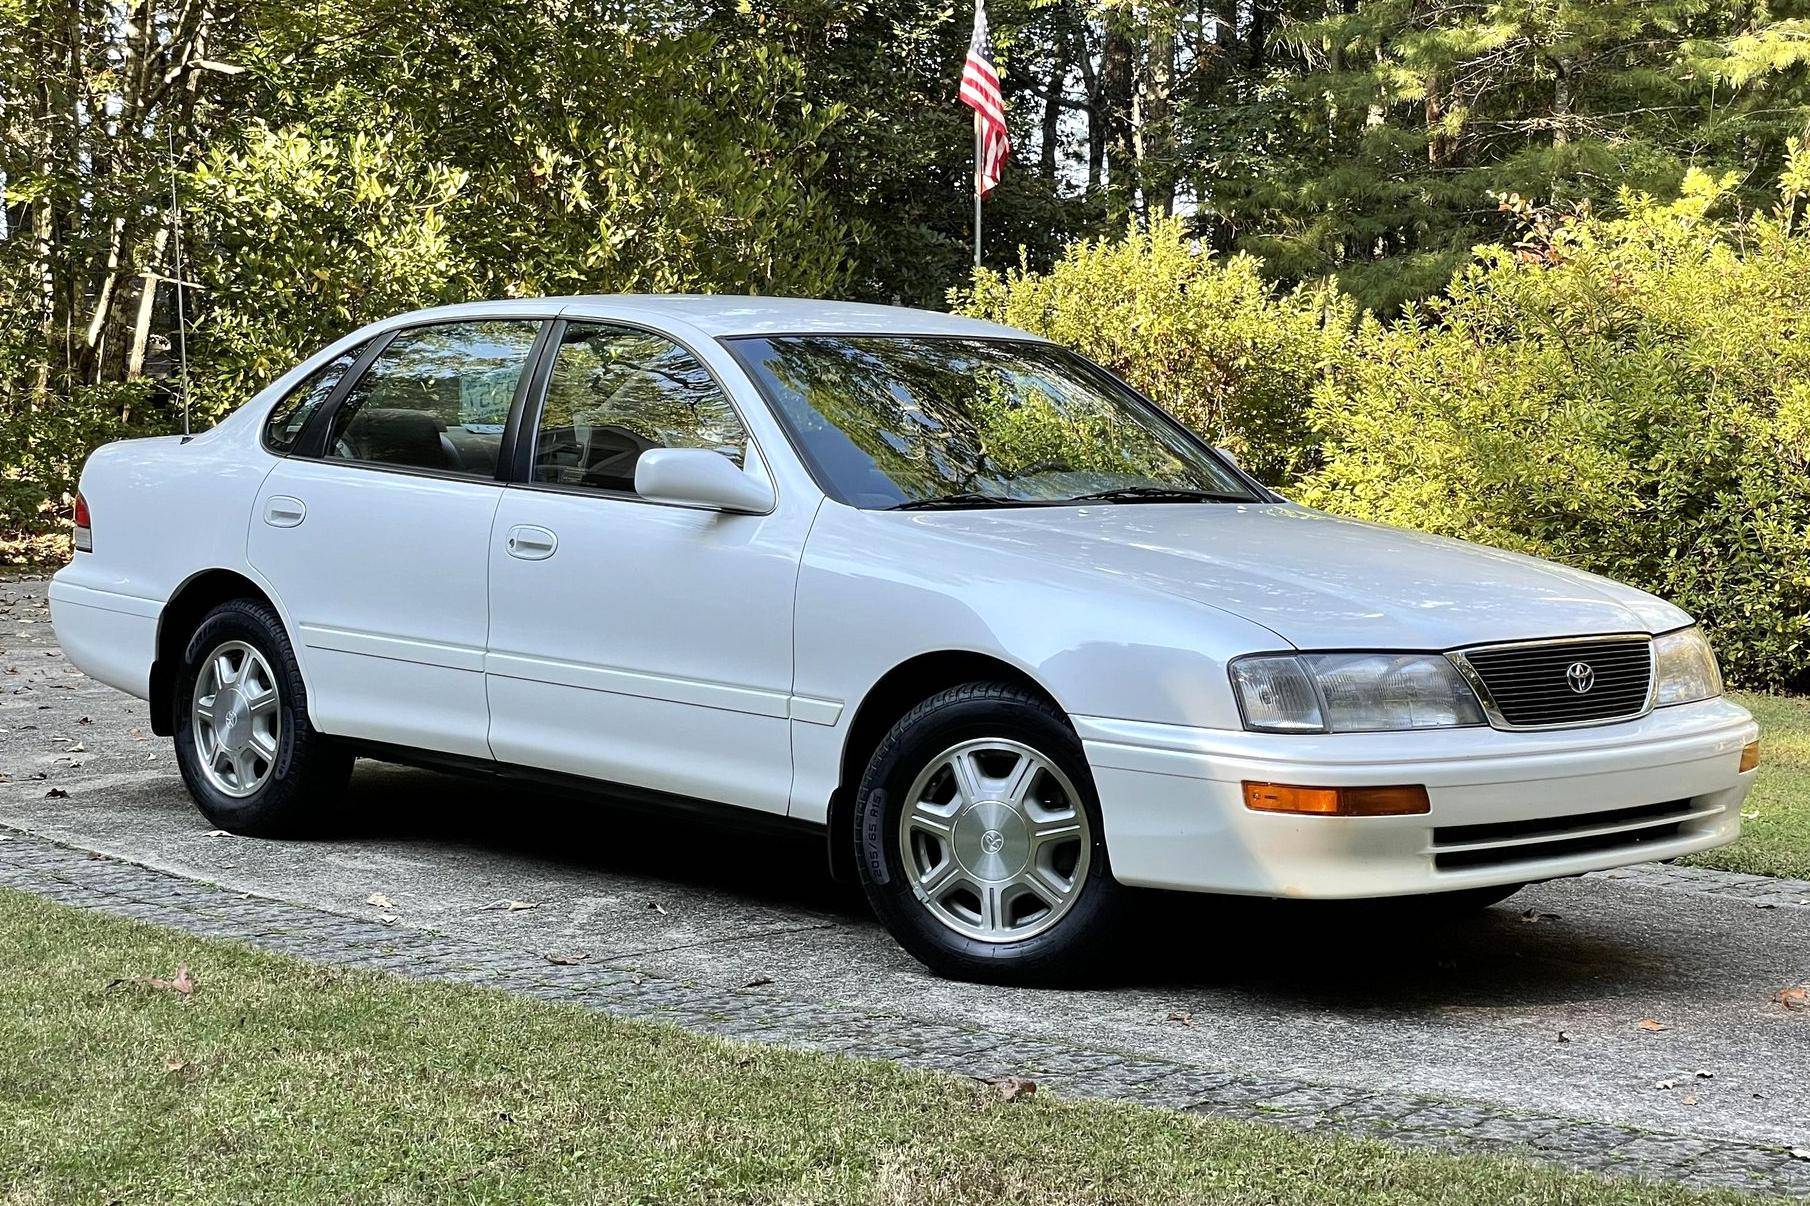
(1536, 684)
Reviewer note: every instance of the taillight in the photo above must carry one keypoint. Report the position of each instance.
(84, 530)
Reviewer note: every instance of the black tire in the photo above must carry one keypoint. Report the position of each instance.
(308, 776)
(1073, 950)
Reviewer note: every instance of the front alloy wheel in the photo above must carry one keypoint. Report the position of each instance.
(995, 840)
(979, 840)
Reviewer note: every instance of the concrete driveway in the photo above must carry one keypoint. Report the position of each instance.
(1537, 1004)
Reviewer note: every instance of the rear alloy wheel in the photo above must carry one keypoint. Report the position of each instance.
(980, 841)
(237, 719)
(250, 758)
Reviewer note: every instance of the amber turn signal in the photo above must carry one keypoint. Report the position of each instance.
(1750, 756)
(1336, 801)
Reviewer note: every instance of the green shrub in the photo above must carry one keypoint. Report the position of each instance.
(1631, 396)
(1210, 340)
(41, 453)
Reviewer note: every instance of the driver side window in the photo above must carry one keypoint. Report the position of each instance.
(614, 393)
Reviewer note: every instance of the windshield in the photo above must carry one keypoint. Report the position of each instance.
(889, 421)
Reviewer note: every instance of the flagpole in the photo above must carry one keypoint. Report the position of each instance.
(977, 170)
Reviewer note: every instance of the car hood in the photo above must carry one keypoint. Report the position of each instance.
(1318, 580)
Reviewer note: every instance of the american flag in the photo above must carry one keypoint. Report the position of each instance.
(980, 92)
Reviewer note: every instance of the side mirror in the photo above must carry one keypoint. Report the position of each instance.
(698, 477)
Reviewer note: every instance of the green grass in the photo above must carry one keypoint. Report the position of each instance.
(280, 1081)
(1775, 838)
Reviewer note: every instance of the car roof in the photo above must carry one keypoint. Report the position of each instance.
(725, 315)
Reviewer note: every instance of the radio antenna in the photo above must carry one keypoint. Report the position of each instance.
(176, 266)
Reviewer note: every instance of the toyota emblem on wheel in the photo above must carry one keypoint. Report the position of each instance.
(1581, 676)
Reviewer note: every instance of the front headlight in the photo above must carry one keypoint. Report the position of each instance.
(1684, 668)
(1352, 692)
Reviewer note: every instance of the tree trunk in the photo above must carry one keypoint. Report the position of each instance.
(147, 303)
(1052, 109)
(1442, 145)
(1096, 117)
(1156, 120)
(1115, 119)
(1561, 106)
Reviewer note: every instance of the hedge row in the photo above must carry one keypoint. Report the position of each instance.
(1630, 395)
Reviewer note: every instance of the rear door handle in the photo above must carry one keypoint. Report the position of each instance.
(281, 511)
(531, 543)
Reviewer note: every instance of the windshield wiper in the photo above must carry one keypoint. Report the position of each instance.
(961, 500)
(1159, 494)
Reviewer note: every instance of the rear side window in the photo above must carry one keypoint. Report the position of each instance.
(435, 398)
(615, 393)
(288, 417)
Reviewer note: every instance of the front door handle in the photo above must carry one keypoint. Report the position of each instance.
(281, 511)
(530, 543)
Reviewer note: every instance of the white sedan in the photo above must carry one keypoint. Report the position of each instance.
(1008, 636)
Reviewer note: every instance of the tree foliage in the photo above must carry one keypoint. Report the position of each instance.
(1213, 342)
(1627, 394)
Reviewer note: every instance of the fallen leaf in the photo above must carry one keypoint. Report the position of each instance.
(512, 906)
(1564, 1036)
(1011, 1088)
(216, 833)
(657, 907)
(77, 748)
(1764, 904)
(568, 960)
(1181, 1015)
(1666, 1084)
(1800, 1153)
(1651, 1024)
(387, 918)
(1797, 996)
(56, 793)
(1534, 916)
(1690, 1099)
(758, 981)
(1705, 1074)
(181, 983)
(379, 900)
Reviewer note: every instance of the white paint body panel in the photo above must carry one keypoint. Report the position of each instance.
(653, 648)
(386, 587)
(726, 656)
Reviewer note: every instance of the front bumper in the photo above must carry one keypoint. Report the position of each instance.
(1549, 804)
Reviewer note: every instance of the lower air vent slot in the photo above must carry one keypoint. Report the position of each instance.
(1465, 847)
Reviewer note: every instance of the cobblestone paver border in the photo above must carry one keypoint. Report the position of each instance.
(1763, 891)
(126, 889)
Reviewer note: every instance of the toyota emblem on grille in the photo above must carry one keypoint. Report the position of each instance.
(1581, 676)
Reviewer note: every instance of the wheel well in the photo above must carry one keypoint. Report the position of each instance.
(192, 601)
(899, 690)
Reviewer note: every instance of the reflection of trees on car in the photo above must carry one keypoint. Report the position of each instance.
(642, 384)
(930, 417)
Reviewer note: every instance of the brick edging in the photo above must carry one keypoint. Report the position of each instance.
(33, 864)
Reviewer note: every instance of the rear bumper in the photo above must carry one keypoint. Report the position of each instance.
(1551, 804)
(108, 636)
